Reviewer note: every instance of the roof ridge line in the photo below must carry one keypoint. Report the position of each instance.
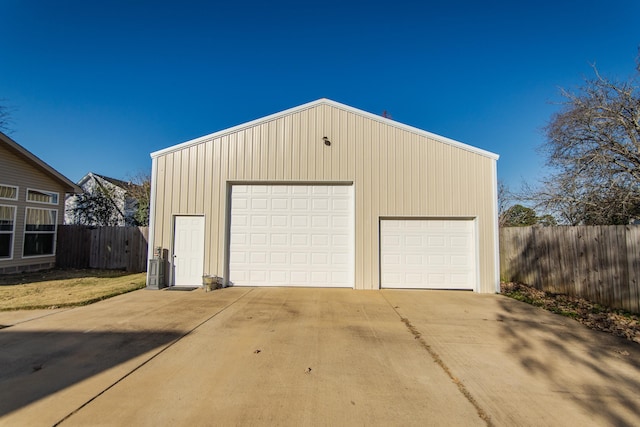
(325, 101)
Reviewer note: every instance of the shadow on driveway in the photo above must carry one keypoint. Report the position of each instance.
(34, 365)
(603, 379)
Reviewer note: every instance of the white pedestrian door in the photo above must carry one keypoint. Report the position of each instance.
(188, 251)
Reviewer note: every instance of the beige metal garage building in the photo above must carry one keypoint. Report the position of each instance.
(330, 196)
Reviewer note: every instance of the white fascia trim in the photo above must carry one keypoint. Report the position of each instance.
(152, 211)
(412, 129)
(84, 179)
(324, 101)
(236, 128)
(496, 226)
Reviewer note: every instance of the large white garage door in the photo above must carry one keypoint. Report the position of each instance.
(428, 253)
(291, 235)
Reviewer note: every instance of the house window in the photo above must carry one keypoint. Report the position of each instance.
(39, 232)
(8, 192)
(39, 196)
(7, 224)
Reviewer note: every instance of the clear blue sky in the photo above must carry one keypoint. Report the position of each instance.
(97, 86)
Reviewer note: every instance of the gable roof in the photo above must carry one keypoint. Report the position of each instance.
(325, 101)
(117, 182)
(31, 158)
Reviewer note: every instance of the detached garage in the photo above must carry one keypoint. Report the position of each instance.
(326, 195)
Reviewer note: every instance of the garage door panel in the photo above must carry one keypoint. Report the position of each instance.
(340, 259)
(319, 278)
(414, 260)
(435, 280)
(340, 277)
(310, 243)
(340, 222)
(278, 277)
(239, 239)
(460, 241)
(240, 204)
(435, 254)
(258, 189)
(300, 277)
(279, 221)
(391, 240)
(299, 221)
(414, 278)
(279, 239)
(319, 221)
(320, 189)
(340, 205)
(258, 221)
(460, 279)
(460, 261)
(302, 189)
(435, 260)
(320, 204)
(301, 240)
(241, 219)
(299, 258)
(279, 204)
(319, 258)
(436, 242)
(320, 240)
(258, 258)
(279, 258)
(259, 204)
(258, 239)
(300, 204)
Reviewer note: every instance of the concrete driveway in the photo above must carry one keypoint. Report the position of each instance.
(245, 356)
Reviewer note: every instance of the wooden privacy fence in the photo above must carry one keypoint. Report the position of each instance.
(111, 248)
(599, 263)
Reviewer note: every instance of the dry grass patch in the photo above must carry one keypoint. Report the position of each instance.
(592, 315)
(64, 288)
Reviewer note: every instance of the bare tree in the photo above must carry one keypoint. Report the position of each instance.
(95, 208)
(593, 145)
(112, 202)
(5, 117)
(141, 192)
(504, 200)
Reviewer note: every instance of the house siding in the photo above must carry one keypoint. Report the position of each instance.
(395, 172)
(18, 172)
(126, 206)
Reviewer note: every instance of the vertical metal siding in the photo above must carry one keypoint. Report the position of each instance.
(395, 173)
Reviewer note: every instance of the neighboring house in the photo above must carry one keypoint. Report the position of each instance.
(32, 197)
(326, 195)
(122, 206)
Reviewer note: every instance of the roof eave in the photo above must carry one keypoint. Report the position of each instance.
(72, 187)
(325, 101)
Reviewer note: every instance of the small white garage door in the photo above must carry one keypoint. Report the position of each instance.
(291, 235)
(428, 254)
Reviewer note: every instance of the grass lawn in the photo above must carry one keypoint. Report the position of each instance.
(64, 288)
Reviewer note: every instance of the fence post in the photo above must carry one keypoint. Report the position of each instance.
(600, 263)
(122, 248)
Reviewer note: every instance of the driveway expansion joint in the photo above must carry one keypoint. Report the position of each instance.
(438, 360)
(162, 350)
(31, 319)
